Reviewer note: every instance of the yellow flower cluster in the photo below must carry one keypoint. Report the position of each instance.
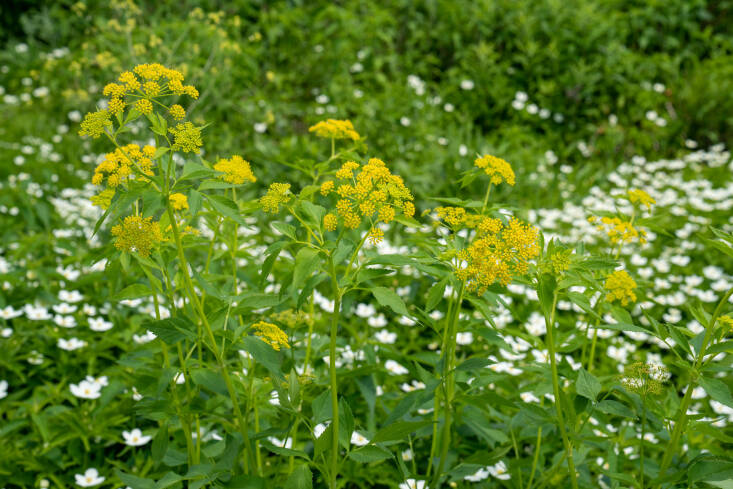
(458, 217)
(498, 169)
(271, 334)
(147, 82)
(104, 198)
(235, 170)
(645, 378)
(179, 202)
(335, 129)
(497, 253)
(637, 196)
(618, 231)
(620, 286)
(186, 138)
(119, 165)
(136, 234)
(373, 193)
(95, 123)
(277, 194)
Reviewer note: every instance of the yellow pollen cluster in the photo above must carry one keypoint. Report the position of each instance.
(95, 123)
(619, 231)
(177, 112)
(144, 106)
(330, 222)
(186, 138)
(121, 163)
(620, 286)
(496, 168)
(277, 194)
(497, 253)
(371, 192)
(271, 334)
(637, 196)
(235, 170)
(179, 202)
(375, 235)
(136, 234)
(335, 129)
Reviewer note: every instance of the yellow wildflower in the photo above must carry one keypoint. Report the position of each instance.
(335, 129)
(179, 202)
(116, 105)
(136, 234)
(113, 90)
(276, 195)
(151, 89)
(330, 221)
(496, 168)
(637, 196)
(327, 187)
(235, 170)
(130, 80)
(95, 123)
(186, 137)
(144, 106)
(104, 198)
(375, 236)
(620, 286)
(619, 231)
(177, 112)
(271, 334)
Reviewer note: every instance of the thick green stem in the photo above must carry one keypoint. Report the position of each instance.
(681, 420)
(486, 198)
(191, 292)
(332, 373)
(449, 361)
(536, 457)
(641, 443)
(556, 389)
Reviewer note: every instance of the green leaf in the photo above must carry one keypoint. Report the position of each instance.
(172, 330)
(346, 423)
(370, 453)
(399, 430)
(314, 212)
(306, 262)
(718, 390)
(614, 407)
(300, 478)
(387, 297)
(134, 481)
(435, 294)
(160, 443)
(210, 380)
(133, 291)
(587, 385)
(226, 207)
(168, 480)
(263, 354)
(284, 228)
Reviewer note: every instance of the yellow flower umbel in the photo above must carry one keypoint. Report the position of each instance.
(335, 129)
(271, 334)
(95, 123)
(620, 286)
(122, 163)
(179, 202)
(277, 194)
(186, 138)
(235, 170)
(637, 196)
(373, 193)
(496, 168)
(618, 231)
(136, 234)
(497, 253)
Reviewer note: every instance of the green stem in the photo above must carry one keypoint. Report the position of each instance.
(536, 457)
(592, 354)
(449, 356)
(214, 346)
(556, 389)
(681, 420)
(334, 380)
(641, 442)
(486, 198)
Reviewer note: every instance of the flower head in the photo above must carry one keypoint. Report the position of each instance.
(177, 112)
(89, 478)
(335, 129)
(620, 286)
(645, 378)
(235, 170)
(496, 168)
(618, 230)
(179, 201)
(135, 438)
(137, 234)
(637, 196)
(95, 123)
(271, 334)
(186, 138)
(277, 194)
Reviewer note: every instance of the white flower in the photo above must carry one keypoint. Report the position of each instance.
(71, 344)
(467, 85)
(319, 429)
(260, 127)
(135, 438)
(449, 108)
(99, 324)
(407, 455)
(405, 121)
(6, 332)
(90, 478)
(64, 308)
(529, 397)
(358, 439)
(365, 310)
(146, 338)
(499, 471)
(288, 443)
(413, 484)
(378, 321)
(70, 296)
(385, 337)
(86, 389)
(10, 313)
(521, 96)
(479, 475)
(3, 388)
(465, 338)
(395, 368)
(64, 321)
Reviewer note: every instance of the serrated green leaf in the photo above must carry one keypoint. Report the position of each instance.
(389, 298)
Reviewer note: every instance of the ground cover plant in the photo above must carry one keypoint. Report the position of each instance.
(244, 247)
